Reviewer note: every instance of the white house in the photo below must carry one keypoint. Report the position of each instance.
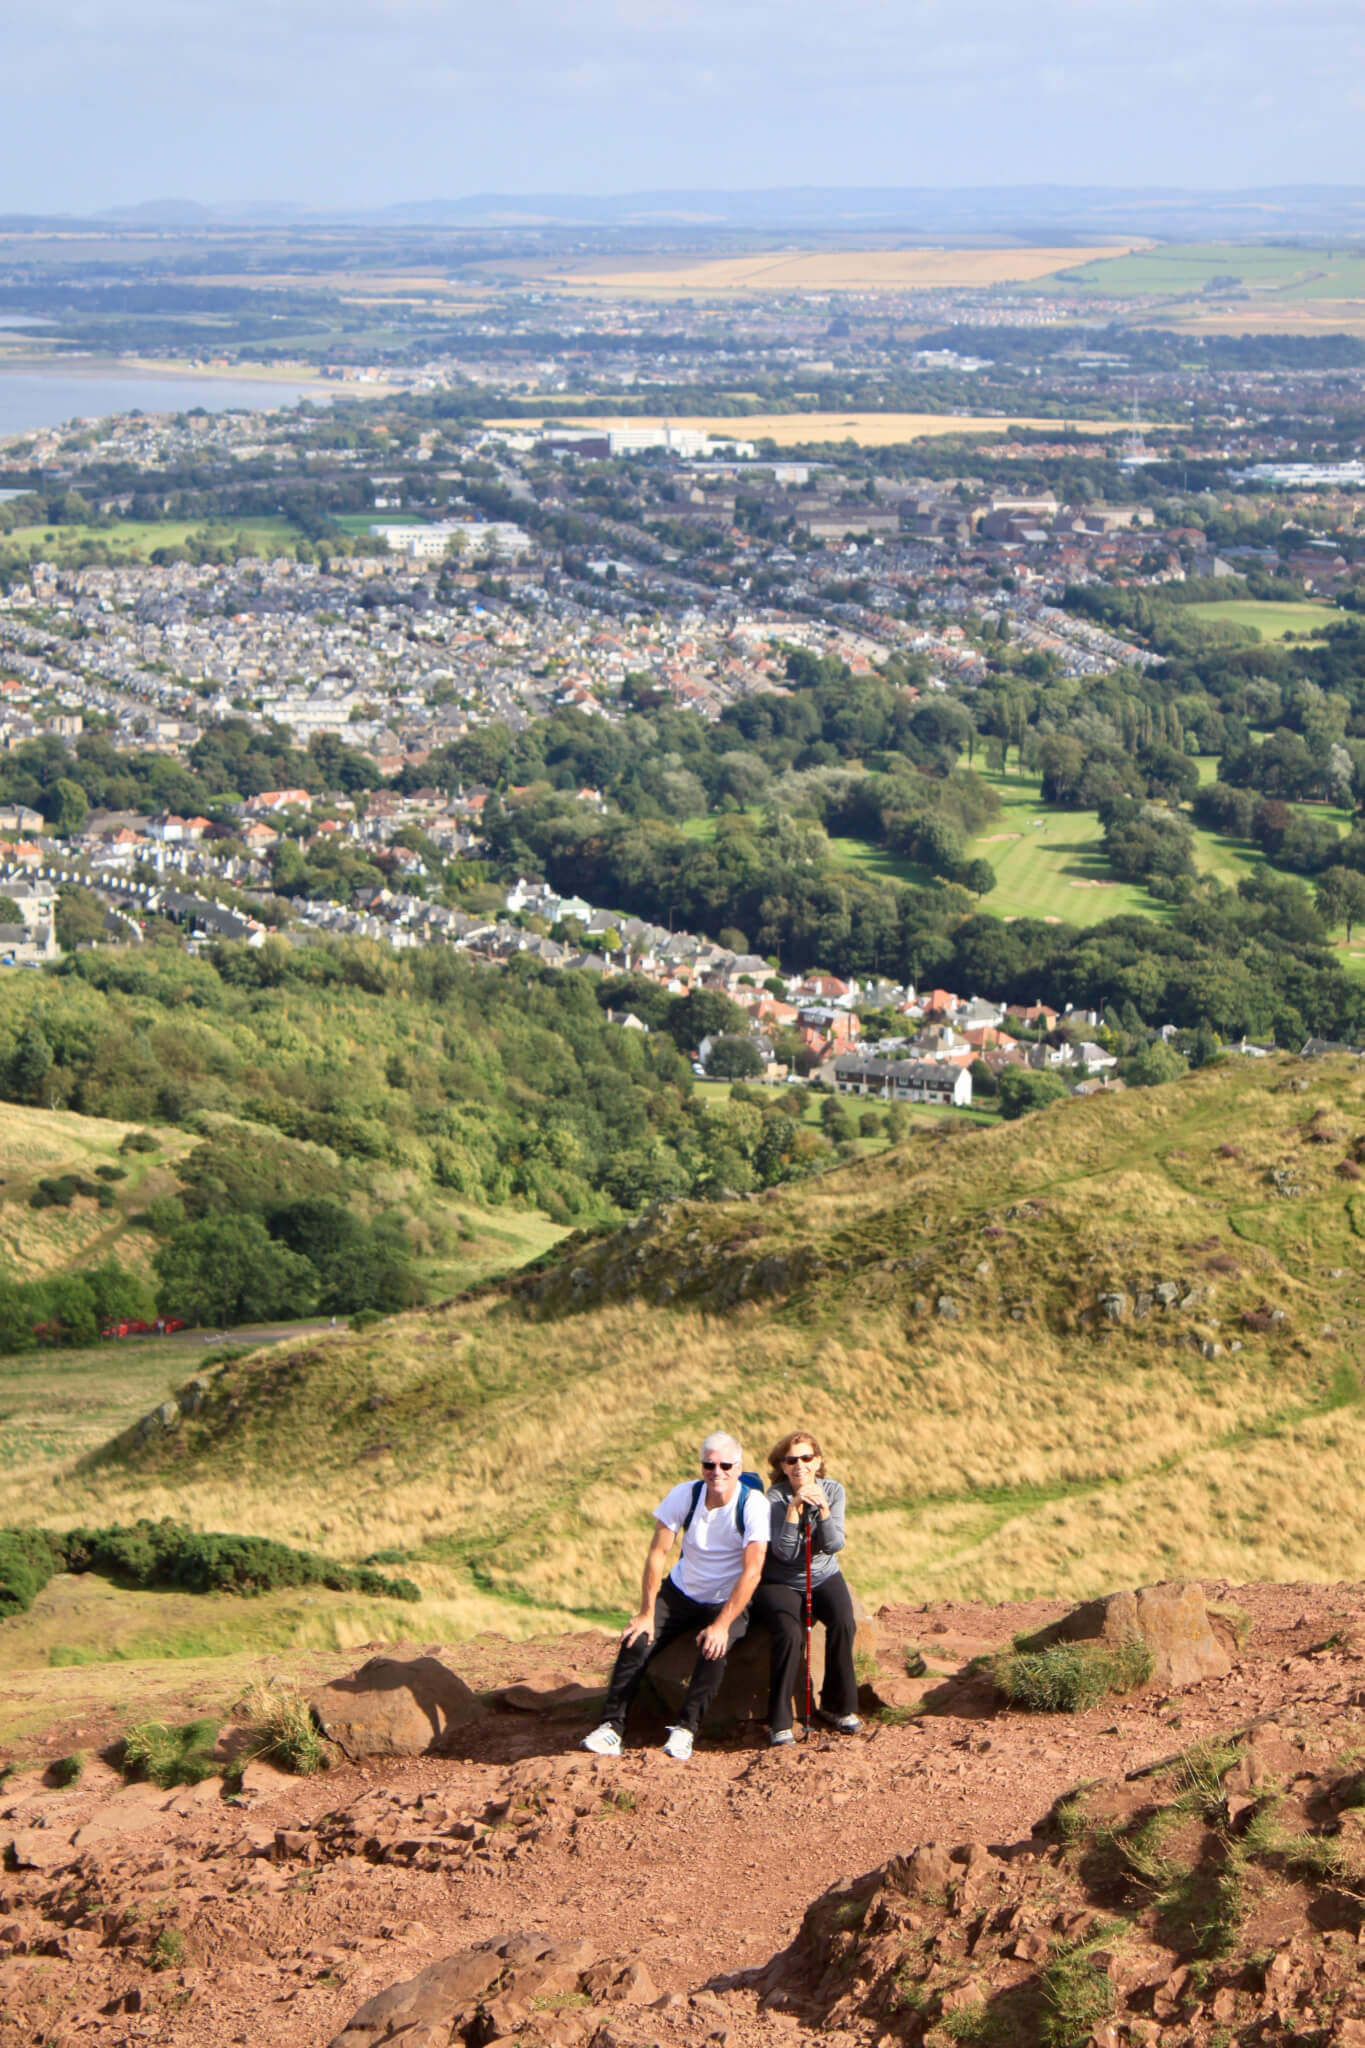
(904, 1081)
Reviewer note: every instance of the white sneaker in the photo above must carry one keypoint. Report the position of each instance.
(679, 1744)
(847, 1724)
(778, 1738)
(603, 1741)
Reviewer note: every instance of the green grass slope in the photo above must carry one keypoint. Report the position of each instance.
(937, 1314)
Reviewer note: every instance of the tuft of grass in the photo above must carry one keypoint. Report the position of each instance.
(170, 1950)
(915, 1666)
(284, 1731)
(1075, 1991)
(1198, 1773)
(1068, 1677)
(67, 1769)
(168, 1756)
(1298, 1853)
(1237, 1619)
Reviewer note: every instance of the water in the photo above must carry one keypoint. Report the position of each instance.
(30, 398)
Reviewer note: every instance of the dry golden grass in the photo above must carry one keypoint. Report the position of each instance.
(804, 270)
(38, 1144)
(868, 429)
(512, 1453)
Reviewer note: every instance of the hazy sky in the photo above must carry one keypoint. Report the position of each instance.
(109, 102)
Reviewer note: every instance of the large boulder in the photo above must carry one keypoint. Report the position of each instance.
(1171, 1619)
(500, 1983)
(744, 1694)
(395, 1707)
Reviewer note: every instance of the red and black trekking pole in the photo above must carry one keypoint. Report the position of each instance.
(809, 1622)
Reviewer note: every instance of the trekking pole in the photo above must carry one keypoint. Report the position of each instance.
(808, 1622)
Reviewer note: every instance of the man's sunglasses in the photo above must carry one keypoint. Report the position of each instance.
(716, 1465)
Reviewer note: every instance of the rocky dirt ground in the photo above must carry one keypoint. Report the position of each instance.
(673, 1897)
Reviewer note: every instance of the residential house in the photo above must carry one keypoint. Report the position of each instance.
(914, 1081)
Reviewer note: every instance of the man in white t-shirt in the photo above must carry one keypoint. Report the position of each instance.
(724, 1525)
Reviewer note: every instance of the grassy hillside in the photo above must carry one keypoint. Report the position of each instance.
(38, 1144)
(935, 1314)
(460, 1243)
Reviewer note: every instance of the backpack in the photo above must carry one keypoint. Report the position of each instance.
(749, 1482)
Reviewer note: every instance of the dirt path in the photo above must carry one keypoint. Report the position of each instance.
(309, 1895)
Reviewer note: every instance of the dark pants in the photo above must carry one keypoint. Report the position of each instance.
(782, 1609)
(675, 1614)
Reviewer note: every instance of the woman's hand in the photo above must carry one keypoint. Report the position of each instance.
(812, 1495)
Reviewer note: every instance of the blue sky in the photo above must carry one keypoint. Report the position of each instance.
(358, 102)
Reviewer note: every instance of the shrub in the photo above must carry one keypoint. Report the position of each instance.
(169, 1554)
(1065, 1678)
(67, 1769)
(140, 1141)
(111, 1173)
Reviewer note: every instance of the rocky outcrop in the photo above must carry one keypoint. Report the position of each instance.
(1171, 1619)
(498, 1985)
(744, 1694)
(395, 1707)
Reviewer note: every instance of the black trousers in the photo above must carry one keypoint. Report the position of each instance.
(782, 1610)
(675, 1614)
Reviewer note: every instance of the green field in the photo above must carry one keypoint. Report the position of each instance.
(136, 538)
(1268, 619)
(361, 522)
(1050, 864)
(1178, 270)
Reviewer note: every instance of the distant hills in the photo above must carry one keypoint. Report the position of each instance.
(1050, 213)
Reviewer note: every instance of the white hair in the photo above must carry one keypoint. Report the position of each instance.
(721, 1443)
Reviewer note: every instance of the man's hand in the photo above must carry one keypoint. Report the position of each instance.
(639, 1625)
(713, 1641)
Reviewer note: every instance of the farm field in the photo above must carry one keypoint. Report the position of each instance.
(792, 429)
(1176, 269)
(136, 538)
(804, 270)
(1271, 619)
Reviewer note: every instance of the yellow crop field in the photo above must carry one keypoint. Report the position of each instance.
(809, 270)
(868, 429)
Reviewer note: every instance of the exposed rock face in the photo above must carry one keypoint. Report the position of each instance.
(1170, 1618)
(744, 1694)
(395, 1707)
(496, 1984)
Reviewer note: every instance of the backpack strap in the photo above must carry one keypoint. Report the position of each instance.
(749, 1482)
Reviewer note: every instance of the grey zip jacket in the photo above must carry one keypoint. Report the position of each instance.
(785, 1564)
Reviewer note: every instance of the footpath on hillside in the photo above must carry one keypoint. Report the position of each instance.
(631, 1901)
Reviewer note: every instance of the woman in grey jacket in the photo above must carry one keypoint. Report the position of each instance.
(803, 1498)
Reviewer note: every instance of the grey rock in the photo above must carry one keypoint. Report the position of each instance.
(193, 1395)
(1166, 1292)
(168, 1414)
(950, 1310)
(1114, 1305)
(1142, 1305)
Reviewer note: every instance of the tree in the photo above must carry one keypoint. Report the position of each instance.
(704, 1013)
(1022, 1090)
(984, 1081)
(79, 919)
(68, 807)
(227, 1269)
(1341, 898)
(1154, 1065)
(734, 1059)
(978, 876)
(835, 1121)
(30, 1065)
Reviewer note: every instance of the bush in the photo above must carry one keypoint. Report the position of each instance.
(168, 1554)
(111, 1173)
(1065, 1678)
(1021, 1089)
(140, 1141)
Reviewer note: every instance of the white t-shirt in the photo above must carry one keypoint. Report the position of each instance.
(713, 1547)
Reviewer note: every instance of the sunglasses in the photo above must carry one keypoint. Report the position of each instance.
(800, 1458)
(716, 1465)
